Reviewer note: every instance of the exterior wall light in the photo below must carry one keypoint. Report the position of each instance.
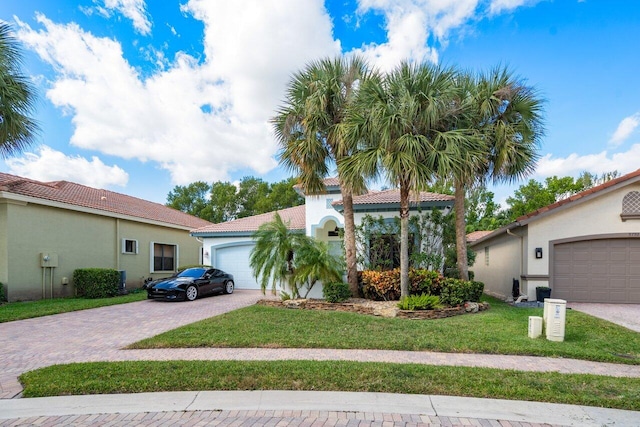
(538, 253)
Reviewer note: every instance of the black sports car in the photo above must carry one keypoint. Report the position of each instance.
(191, 283)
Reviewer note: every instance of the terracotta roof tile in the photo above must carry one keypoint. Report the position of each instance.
(476, 235)
(295, 216)
(79, 195)
(393, 196)
(580, 195)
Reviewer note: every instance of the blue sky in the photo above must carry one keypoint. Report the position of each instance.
(139, 96)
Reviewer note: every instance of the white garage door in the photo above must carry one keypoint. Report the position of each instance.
(235, 260)
(606, 270)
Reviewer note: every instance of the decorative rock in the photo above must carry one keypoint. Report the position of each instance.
(377, 308)
(295, 303)
(471, 307)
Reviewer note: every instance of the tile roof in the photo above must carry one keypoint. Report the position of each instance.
(328, 182)
(393, 196)
(475, 235)
(582, 194)
(295, 216)
(108, 201)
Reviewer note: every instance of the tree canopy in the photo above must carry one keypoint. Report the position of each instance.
(224, 201)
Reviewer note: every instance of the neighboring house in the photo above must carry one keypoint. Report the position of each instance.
(50, 229)
(586, 247)
(228, 245)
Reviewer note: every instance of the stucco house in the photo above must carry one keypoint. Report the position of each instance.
(586, 247)
(49, 229)
(228, 245)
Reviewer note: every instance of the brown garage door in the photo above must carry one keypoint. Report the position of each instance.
(606, 270)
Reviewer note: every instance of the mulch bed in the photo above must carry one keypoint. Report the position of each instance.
(376, 308)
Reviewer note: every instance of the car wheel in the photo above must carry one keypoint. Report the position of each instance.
(228, 287)
(191, 293)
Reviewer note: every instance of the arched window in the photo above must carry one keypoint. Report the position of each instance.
(631, 206)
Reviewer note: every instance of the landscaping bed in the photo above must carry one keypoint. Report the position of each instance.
(376, 308)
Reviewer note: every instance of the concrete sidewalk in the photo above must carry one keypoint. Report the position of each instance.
(299, 408)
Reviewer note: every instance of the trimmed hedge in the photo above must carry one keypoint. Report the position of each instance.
(96, 282)
(336, 292)
(3, 297)
(385, 286)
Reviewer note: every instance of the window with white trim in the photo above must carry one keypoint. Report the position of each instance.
(129, 246)
(631, 206)
(164, 257)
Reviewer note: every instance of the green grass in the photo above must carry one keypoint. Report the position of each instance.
(138, 377)
(500, 330)
(29, 309)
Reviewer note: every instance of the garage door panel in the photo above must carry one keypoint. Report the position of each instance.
(601, 270)
(235, 260)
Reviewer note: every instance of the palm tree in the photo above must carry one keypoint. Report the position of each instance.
(504, 119)
(402, 122)
(17, 98)
(272, 257)
(306, 127)
(315, 263)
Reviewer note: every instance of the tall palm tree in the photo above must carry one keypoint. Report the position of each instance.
(306, 127)
(17, 98)
(402, 122)
(504, 119)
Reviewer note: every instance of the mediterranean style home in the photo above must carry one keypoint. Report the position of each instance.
(586, 247)
(50, 229)
(228, 245)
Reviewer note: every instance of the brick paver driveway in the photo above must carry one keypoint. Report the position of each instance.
(98, 334)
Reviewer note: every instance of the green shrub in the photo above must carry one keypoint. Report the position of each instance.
(457, 292)
(336, 292)
(96, 282)
(3, 297)
(419, 302)
(425, 282)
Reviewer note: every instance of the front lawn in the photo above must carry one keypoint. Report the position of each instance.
(29, 309)
(138, 377)
(500, 330)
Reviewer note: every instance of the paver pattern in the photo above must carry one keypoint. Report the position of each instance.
(101, 334)
(262, 418)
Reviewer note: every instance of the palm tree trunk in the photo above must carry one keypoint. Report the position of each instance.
(350, 242)
(461, 231)
(404, 242)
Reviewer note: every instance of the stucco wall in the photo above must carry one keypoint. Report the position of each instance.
(80, 240)
(318, 208)
(600, 215)
(503, 264)
(4, 267)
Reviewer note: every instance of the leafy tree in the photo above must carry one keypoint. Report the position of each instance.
(283, 195)
(192, 199)
(482, 212)
(534, 194)
(401, 122)
(307, 127)
(224, 202)
(17, 98)
(253, 197)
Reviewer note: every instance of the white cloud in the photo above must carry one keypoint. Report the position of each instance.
(624, 130)
(500, 6)
(134, 10)
(599, 163)
(199, 121)
(410, 24)
(52, 165)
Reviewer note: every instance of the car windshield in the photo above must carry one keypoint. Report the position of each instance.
(192, 272)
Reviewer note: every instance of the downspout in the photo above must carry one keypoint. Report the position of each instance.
(510, 233)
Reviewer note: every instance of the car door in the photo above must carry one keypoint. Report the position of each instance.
(206, 283)
(217, 280)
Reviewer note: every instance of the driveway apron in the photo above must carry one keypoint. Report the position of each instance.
(627, 315)
(98, 334)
